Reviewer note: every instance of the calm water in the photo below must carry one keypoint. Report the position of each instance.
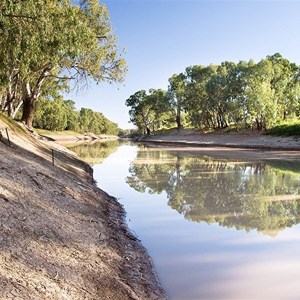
(215, 229)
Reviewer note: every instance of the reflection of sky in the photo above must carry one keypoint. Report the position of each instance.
(201, 261)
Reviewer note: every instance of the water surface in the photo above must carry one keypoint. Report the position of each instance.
(215, 228)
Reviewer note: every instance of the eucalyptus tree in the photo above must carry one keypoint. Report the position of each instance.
(271, 91)
(260, 100)
(149, 111)
(46, 39)
(140, 111)
(96, 122)
(51, 115)
(73, 120)
(87, 120)
(216, 89)
(51, 99)
(225, 96)
(197, 101)
(285, 83)
(176, 89)
(235, 78)
(290, 105)
(238, 79)
(159, 100)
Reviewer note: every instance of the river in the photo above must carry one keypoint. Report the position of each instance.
(215, 228)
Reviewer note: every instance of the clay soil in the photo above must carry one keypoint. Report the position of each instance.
(61, 237)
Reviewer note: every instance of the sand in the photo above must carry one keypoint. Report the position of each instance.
(61, 237)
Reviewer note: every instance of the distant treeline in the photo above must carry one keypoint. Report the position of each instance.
(62, 115)
(245, 94)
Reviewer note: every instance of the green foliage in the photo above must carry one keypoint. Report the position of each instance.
(177, 96)
(149, 112)
(96, 122)
(285, 129)
(42, 40)
(57, 115)
(51, 115)
(72, 116)
(244, 94)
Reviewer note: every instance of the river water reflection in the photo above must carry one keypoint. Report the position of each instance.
(215, 228)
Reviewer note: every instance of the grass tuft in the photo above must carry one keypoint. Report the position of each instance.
(11, 124)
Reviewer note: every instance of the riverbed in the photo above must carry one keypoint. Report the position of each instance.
(216, 227)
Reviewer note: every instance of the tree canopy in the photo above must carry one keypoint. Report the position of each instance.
(59, 114)
(149, 111)
(247, 94)
(46, 40)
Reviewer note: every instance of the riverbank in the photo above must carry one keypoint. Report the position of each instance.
(247, 146)
(61, 236)
(247, 140)
(65, 137)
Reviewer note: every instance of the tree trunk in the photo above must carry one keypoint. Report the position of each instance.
(30, 95)
(29, 98)
(9, 100)
(178, 122)
(178, 114)
(16, 109)
(284, 115)
(8, 105)
(28, 111)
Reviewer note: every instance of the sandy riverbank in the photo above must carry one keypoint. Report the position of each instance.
(242, 146)
(254, 140)
(77, 138)
(61, 236)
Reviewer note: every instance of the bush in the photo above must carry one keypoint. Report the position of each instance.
(285, 130)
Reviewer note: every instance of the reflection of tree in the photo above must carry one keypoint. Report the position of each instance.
(94, 152)
(241, 195)
(153, 176)
(287, 166)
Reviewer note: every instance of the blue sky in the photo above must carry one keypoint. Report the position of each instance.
(163, 37)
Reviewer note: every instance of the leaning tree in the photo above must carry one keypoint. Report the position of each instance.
(42, 40)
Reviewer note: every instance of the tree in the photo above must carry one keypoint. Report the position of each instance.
(72, 115)
(261, 102)
(245, 94)
(139, 112)
(149, 110)
(51, 115)
(96, 122)
(216, 89)
(47, 39)
(177, 95)
(285, 83)
(197, 99)
(237, 79)
(159, 101)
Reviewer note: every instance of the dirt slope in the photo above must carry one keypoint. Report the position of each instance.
(60, 236)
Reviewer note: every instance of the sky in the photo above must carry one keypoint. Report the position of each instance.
(163, 37)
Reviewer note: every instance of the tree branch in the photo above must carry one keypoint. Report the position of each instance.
(60, 77)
